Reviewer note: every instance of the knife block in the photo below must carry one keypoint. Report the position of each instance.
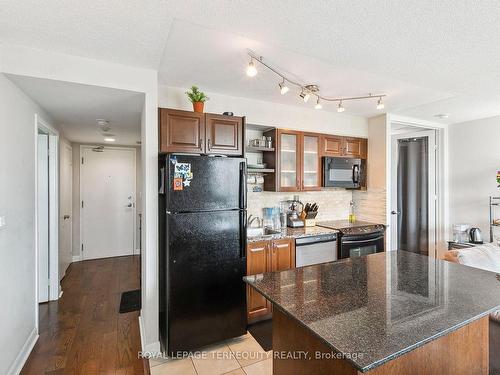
(309, 222)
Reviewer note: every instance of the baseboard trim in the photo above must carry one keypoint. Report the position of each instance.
(77, 258)
(153, 348)
(23, 355)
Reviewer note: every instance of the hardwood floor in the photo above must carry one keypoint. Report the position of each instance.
(83, 332)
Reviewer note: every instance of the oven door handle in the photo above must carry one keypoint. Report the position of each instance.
(363, 241)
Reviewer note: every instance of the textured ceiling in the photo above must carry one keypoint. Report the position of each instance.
(441, 47)
(75, 109)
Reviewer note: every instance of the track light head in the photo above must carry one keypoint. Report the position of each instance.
(251, 69)
(380, 105)
(340, 107)
(283, 87)
(318, 104)
(305, 96)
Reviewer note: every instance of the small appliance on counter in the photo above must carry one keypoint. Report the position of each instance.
(293, 214)
(476, 236)
(461, 233)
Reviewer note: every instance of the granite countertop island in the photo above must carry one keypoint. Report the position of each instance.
(293, 233)
(383, 313)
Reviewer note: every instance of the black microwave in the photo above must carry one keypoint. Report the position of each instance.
(342, 172)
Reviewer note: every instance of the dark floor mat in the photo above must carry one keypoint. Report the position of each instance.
(263, 333)
(131, 301)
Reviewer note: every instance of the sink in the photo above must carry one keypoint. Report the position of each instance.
(255, 232)
(268, 231)
(261, 232)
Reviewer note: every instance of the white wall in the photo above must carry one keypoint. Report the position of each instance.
(76, 197)
(31, 62)
(474, 155)
(17, 239)
(270, 114)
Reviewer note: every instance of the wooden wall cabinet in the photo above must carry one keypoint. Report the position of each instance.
(181, 131)
(266, 256)
(348, 147)
(201, 133)
(224, 134)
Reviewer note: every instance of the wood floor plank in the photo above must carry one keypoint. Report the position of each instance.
(83, 332)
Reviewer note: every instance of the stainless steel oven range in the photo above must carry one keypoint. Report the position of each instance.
(358, 238)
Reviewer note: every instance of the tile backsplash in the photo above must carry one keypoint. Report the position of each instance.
(333, 203)
(370, 205)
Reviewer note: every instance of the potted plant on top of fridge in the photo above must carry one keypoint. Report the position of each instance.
(198, 98)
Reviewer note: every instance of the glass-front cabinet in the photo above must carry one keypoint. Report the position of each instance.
(299, 161)
(311, 162)
(289, 160)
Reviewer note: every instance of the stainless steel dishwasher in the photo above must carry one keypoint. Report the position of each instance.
(317, 249)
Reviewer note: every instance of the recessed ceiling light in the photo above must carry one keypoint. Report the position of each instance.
(109, 139)
(442, 115)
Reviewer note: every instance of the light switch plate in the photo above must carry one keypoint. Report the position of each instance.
(3, 222)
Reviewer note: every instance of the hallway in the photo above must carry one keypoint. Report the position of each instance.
(82, 332)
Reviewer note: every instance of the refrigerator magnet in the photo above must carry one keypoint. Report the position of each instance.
(183, 169)
(178, 184)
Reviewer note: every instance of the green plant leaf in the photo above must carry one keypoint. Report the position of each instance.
(195, 95)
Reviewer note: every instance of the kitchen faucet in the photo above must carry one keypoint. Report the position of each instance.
(251, 219)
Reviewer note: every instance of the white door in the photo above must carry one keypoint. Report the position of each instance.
(107, 183)
(432, 192)
(65, 209)
(43, 216)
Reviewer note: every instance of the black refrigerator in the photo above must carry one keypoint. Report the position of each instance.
(202, 250)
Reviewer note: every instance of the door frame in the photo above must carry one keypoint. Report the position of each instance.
(442, 184)
(65, 143)
(40, 123)
(432, 188)
(83, 147)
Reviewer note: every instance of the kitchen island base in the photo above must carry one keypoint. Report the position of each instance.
(464, 351)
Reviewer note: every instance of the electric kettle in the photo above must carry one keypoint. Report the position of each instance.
(475, 235)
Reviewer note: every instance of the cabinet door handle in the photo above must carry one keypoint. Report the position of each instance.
(257, 249)
(201, 143)
(209, 144)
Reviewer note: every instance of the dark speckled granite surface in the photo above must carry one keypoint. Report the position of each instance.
(382, 305)
(294, 233)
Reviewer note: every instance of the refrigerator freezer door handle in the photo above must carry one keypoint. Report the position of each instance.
(243, 185)
(243, 234)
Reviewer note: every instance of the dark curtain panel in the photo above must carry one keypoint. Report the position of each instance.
(413, 194)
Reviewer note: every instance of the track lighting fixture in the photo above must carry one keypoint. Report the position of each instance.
(283, 87)
(251, 69)
(380, 105)
(306, 90)
(340, 107)
(318, 104)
